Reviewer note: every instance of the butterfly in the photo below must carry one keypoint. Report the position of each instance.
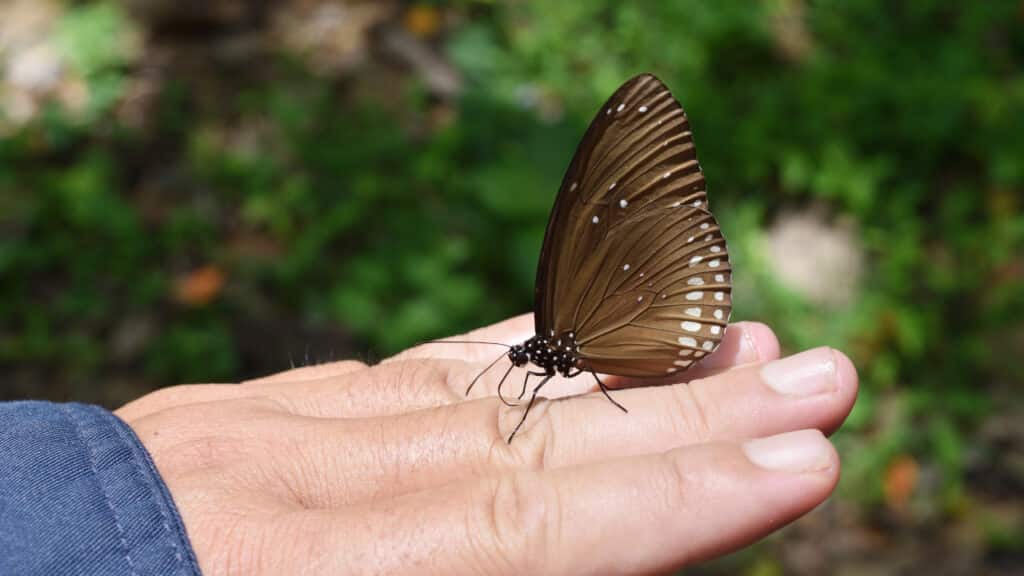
(634, 276)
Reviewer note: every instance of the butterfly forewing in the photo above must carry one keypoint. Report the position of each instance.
(633, 263)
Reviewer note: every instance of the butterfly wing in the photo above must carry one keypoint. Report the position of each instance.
(633, 263)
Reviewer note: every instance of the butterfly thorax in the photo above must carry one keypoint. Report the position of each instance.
(553, 355)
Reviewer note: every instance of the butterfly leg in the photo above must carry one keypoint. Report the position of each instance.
(528, 406)
(482, 372)
(606, 394)
(528, 374)
(502, 383)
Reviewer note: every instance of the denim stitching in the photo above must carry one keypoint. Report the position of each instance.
(106, 497)
(163, 513)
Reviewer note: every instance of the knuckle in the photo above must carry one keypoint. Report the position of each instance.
(349, 365)
(534, 443)
(691, 412)
(456, 376)
(213, 434)
(242, 547)
(677, 481)
(172, 396)
(517, 516)
(417, 379)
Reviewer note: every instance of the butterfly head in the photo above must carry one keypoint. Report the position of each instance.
(519, 355)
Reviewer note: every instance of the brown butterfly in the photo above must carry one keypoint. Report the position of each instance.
(634, 276)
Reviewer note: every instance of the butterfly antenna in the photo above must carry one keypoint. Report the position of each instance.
(482, 372)
(465, 342)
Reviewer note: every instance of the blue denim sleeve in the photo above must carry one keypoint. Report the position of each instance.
(80, 495)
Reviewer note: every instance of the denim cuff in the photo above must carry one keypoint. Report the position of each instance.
(79, 494)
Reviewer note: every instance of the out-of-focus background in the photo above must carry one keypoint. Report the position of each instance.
(208, 191)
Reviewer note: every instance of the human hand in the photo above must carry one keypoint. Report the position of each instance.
(344, 468)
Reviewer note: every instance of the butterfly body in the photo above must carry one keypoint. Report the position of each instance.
(552, 355)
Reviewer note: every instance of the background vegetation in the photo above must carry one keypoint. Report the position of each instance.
(214, 193)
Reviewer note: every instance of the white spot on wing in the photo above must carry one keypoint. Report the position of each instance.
(716, 249)
(625, 267)
(719, 278)
(716, 329)
(688, 341)
(695, 295)
(719, 296)
(612, 186)
(704, 226)
(572, 187)
(695, 312)
(595, 219)
(671, 370)
(718, 314)
(696, 259)
(708, 345)
(642, 109)
(714, 263)
(695, 281)
(683, 363)
(623, 203)
(690, 326)
(621, 106)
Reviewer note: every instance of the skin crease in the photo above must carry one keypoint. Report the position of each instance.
(343, 468)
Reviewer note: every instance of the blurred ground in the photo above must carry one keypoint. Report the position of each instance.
(198, 191)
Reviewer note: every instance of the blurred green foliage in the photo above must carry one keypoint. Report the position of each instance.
(399, 217)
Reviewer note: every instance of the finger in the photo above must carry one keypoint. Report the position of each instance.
(509, 332)
(177, 396)
(297, 380)
(349, 389)
(424, 449)
(749, 342)
(314, 372)
(639, 515)
(354, 392)
(372, 401)
(413, 384)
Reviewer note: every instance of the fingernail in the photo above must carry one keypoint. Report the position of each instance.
(743, 352)
(800, 451)
(804, 374)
